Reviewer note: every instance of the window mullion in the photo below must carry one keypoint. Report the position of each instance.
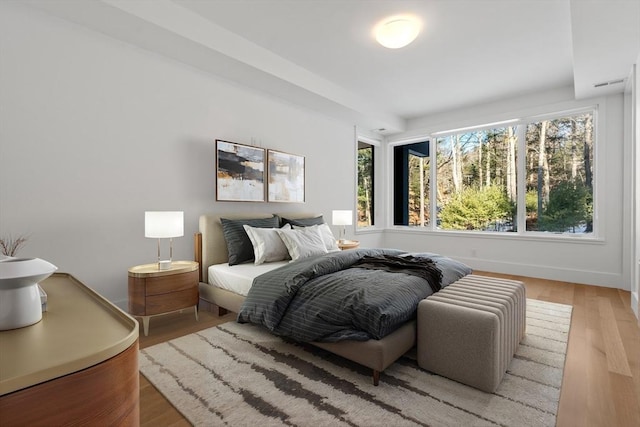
(521, 189)
(433, 185)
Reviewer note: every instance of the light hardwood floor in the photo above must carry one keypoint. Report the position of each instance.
(601, 384)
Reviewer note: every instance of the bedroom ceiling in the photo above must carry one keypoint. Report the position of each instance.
(321, 54)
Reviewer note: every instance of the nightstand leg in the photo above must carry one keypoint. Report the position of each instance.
(195, 307)
(145, 325)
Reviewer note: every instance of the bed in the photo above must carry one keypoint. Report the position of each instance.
(226, 287)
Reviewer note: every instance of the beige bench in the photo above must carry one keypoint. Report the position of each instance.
(470, 330)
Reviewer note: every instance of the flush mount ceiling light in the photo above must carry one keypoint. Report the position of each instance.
(397, 31)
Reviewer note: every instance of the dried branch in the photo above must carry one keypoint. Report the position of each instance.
(9, 246)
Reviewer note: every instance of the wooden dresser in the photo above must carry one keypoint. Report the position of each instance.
(77, 366)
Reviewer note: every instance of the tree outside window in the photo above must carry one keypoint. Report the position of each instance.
(477, 180)
(365, 184)
(419, 200)
(560, 175)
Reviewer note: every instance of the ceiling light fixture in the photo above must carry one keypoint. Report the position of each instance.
(397, 31)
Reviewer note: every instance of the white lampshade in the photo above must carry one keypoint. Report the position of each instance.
(163, 225)
(344, 217)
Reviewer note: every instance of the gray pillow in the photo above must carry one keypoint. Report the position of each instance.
(303, 222)
(239, 246)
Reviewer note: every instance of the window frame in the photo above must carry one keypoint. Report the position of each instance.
(521, 124)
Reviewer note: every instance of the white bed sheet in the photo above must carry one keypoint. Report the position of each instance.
(238, 278)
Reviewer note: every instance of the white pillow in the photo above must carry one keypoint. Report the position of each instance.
(267, 244)
(303, 242)
(330, 242)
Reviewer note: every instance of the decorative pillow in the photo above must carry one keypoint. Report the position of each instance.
(303, 222)
(303, 242)
(327, 236)
(267, 244)
(239, 246)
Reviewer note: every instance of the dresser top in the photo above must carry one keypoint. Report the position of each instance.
(79, 329)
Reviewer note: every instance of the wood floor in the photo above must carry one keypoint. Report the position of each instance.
(601, 384)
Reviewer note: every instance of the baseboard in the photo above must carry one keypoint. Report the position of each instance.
(586, 277)
(634, 304)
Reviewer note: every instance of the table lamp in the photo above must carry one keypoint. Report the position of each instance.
(164, 225)
(342, 218)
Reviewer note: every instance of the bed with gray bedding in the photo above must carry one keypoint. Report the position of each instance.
(351, 295)
(371, 319)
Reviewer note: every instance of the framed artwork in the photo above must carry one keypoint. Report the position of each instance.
(286, 177)
(240, 172)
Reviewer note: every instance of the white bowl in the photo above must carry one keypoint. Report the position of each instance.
(19, 296)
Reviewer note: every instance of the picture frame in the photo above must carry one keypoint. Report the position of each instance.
(286, 177)
(240, 172)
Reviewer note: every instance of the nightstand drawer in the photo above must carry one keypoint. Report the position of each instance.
(168, 284)
(158, 304)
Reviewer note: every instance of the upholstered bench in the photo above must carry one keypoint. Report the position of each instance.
(470, 330)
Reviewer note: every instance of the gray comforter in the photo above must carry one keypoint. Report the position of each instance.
(323, 299)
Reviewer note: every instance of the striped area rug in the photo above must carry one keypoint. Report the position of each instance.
(241, 375)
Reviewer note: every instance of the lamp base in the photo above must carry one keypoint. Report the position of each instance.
(164, 265)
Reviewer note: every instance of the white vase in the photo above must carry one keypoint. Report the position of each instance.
(19, 295)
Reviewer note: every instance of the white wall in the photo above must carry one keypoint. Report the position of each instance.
(93, 132)
(597, 262)
(635, 152)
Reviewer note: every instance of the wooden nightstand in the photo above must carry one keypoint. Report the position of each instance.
(153, 292)
(348, 244)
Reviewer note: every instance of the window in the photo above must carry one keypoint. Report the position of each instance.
(559, 194)
(536, 172)
(366, 212)
(477, 180)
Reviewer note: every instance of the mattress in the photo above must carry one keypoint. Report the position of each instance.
(238, 278)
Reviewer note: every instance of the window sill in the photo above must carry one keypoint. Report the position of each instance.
(369, 230)
(530, 236)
